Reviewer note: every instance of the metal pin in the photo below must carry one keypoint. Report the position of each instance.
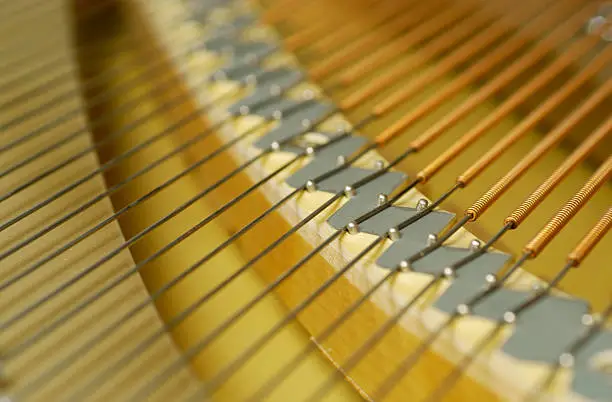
(310, 150)
(595, 24)
(422, 204)
(306, 123)
(509, 317)
(277, 114)
(379, 165)
(352, 228)
(463, 309)
(308, 94)
(490, 279)
(251, 79)
(587, 320)
(311, 186)
(566, 360)
(475, 244)
(431, 239)
(448, 272)
(340, 160)
(382, 199)
(394, 234)
(244, 110)
(275, 146)
(349, 191)
(275, 90)
(404, 266)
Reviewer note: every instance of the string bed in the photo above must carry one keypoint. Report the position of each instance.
(268, 121)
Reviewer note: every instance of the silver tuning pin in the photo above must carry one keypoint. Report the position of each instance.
(381, 199)
(352, 228)
(422, 204)
(601, 24)
(394, 234)
(349, 192)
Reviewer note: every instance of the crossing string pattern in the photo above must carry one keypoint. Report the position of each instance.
(349, 60)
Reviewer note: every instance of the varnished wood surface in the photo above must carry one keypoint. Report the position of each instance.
(56, 27)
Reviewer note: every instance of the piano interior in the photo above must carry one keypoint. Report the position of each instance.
(248, 200)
